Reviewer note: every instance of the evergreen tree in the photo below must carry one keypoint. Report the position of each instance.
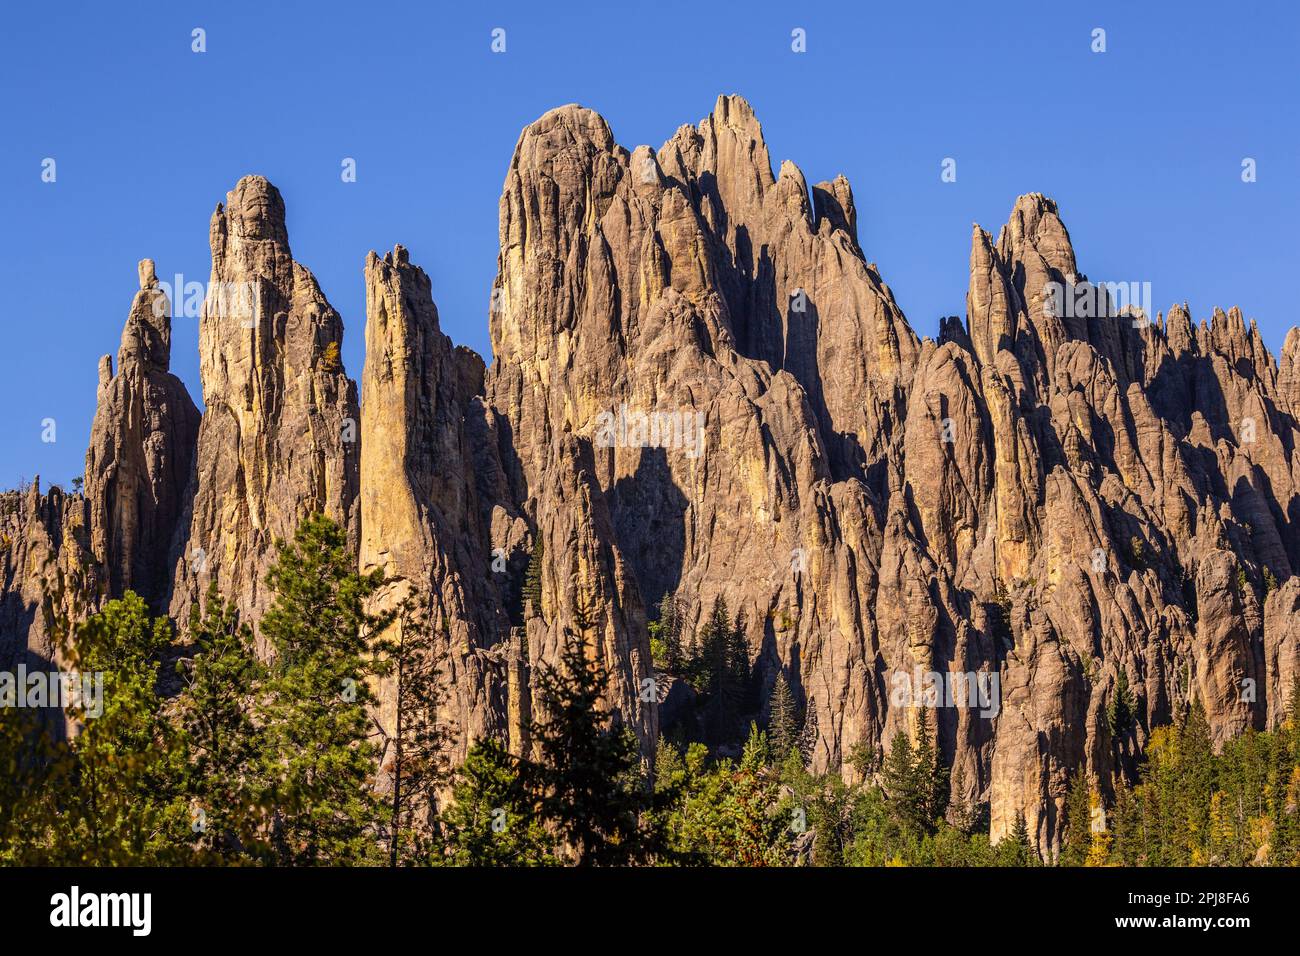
(1078, 821)
(223, 743)
(1016, 849)
(414, 757)
(738, 649)
(783, 724)
(491, 820)
(126, 804)
(1120, 708)
(721, 659)
(723, 814)
(807, 734)
(1195, 784)
(898, 776)
(930, 775)
(915, 780)
(588, 781)
(319, 762)
(1127, 846)
(531, 594)
(35, 777)
(830, 817)
(666, 636)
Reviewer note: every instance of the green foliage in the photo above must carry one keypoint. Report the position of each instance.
(319, 762)
(223, 742)
(35, 765)
(915, 780)
(254, 762)
(714, 663)
(1137, 553)
(667, 647)
(1078, 821)
(1016, 849)
(783, 722)
(727, 813)
(415, 746)
(1121, 708)
(531, 593)
(491, 820)
(587, 781)
(1193, 807)
(1000, 617)
(116, 790)
(723, 672)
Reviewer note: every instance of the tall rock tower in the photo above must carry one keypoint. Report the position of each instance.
(141, 451)
(279, 436)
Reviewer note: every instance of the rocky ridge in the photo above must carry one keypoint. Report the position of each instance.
(1058, 505)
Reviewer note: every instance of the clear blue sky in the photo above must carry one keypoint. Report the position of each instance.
(1141, 146)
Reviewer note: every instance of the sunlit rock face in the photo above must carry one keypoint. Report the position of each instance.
(701, 385)
(279, 435)
(1047, 496)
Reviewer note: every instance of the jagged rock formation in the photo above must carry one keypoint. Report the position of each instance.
(47, 575)
(702, 386)
(141, 451)
(422, 519)
(1047, 499)
(279, 434)
(438, 514)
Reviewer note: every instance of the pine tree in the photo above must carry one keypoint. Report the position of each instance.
(222, 741)
(1120, 707)
(588, 781)
(722, 814)
(783, 724)
(1126, 826)
(738, 653)
(35, 778)
(915, 780)
(415, 750)
(319, 762)
(1078, 821)
(668, 630)
(930, 775)
(127, 804)
(898, 777)
(491, 820)
(757, 753)
(829, 816)
(531, 594)
(1270, 580)
(1195, 784)
(721, 660)
(1016, 848)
